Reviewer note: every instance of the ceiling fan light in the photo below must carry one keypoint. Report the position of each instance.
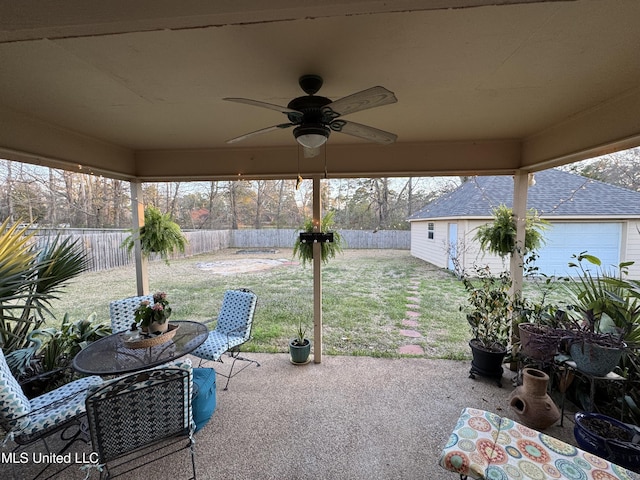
(313, 136)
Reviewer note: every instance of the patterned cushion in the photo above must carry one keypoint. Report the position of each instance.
(472, 434)
(58, 406)
(13, 402)
(233, 327)
(216, 344)
(121, 312)
(486, 446)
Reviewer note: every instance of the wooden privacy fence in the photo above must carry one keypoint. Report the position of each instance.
(284, 238)
(104, 250)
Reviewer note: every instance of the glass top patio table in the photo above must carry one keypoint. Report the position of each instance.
(110, 355)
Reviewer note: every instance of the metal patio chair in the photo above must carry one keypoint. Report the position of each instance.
(122, 312)
(58, 411)
(233, 329)
(139, 418)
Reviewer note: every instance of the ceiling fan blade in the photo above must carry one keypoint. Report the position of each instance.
(363, 131)
(370, 98)
(270, 106)
(260, 132)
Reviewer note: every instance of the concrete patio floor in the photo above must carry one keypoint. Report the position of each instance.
(348, 417)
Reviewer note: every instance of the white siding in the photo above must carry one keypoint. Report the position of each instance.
(631, 247)
(472, 254)
(435, 251)
(430, 250)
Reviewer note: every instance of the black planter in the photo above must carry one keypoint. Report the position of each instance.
(486, 363)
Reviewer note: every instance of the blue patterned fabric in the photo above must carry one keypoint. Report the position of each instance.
(122, 312)
(25, 417)
(13, 402)
(233, 327)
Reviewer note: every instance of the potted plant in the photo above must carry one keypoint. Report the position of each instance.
(595, 341)
(300, 346)
(489, 313)
(32, 274)
(608, 438)
(539, 322)
(499, 236)
(328, 249)
(159, 234)
(153, 317)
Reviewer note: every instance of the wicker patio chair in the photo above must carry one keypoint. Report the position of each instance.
(233, 329)
(136, 419)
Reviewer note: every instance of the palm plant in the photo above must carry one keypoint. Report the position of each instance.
(608, 307)
(30, 278)
(606, 312)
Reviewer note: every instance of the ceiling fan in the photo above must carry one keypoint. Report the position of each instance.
(314, 117)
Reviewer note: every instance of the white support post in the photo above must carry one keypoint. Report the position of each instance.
(317, 274)
(520, 187)
(141, 262)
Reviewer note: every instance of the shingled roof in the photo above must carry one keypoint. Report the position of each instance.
(556, 193)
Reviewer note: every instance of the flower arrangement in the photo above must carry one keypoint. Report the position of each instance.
(158, 312)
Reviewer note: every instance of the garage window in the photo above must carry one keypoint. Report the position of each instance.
(431, 230)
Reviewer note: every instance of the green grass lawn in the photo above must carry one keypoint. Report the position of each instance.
(364, 299)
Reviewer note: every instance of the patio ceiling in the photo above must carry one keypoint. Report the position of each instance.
(133, 89)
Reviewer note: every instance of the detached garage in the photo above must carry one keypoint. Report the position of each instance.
(584, 215)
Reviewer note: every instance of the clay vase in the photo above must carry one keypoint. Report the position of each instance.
(531, 403)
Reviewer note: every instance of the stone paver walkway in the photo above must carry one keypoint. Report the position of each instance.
(412, 320)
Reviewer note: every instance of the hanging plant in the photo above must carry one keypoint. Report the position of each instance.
(304, 251)
(499, 236)
(159, 234)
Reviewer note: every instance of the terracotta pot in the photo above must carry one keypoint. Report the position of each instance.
(531, 403)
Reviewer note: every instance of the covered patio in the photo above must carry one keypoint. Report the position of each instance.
(350, 417)
(134, 90)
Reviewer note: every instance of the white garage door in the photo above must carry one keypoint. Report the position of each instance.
(566, 239)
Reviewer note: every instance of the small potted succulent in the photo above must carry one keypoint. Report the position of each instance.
(300, 346)
(152, 317)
